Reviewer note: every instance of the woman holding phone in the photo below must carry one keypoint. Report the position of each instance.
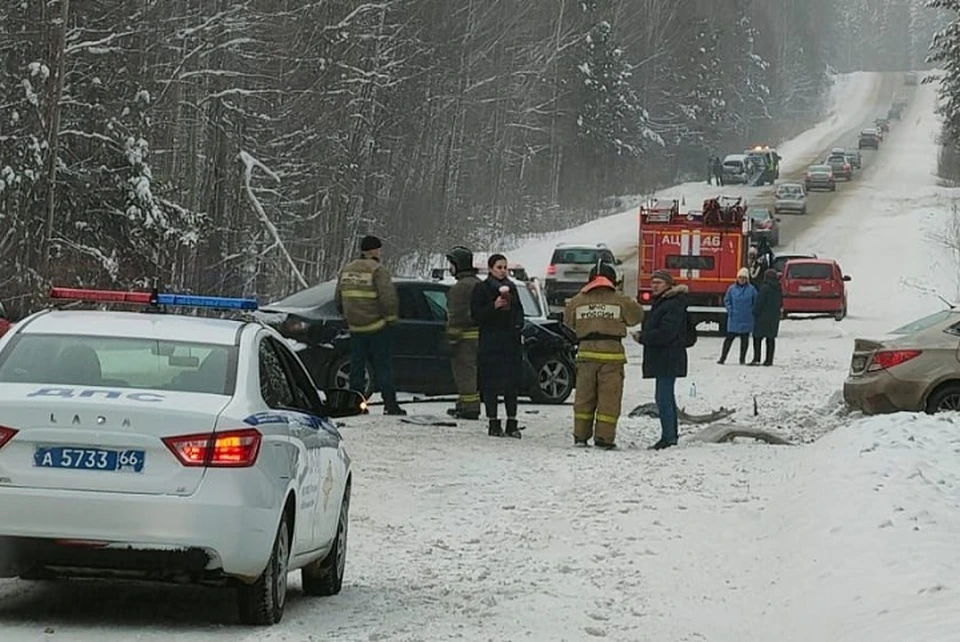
(497, 310)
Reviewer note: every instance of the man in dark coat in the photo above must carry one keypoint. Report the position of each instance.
(766, 314)
(664, 343)
(718, 170)
(497, 310)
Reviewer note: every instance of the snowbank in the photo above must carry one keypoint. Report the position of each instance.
(852, 100)
(861, 541)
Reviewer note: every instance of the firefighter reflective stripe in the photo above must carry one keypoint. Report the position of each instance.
(586, 416)
(390, 318)
(612, 357)
(358, 294)
(370, 327)
(607, 419)
(466, 399)
(468, 334)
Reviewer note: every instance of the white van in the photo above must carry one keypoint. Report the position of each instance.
(735, 169)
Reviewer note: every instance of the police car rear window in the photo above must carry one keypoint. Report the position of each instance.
(116, 362)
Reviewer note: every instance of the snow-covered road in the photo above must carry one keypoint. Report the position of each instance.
(456, 536)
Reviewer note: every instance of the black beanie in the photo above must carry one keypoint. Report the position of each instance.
(370, 243)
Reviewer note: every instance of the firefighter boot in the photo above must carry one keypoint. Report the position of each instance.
(513, 429)
(495, 429)
(390, 405)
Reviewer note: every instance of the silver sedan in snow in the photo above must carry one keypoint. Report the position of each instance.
(169, 447)
(790, 197)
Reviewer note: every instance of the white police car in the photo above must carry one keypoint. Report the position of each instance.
(170, 447)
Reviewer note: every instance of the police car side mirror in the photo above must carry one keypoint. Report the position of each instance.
(339, 402)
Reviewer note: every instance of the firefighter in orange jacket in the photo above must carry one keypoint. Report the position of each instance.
(600, 316)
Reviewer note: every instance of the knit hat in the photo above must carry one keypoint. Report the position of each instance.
(743, 273)
(663, 275)
(370, 243)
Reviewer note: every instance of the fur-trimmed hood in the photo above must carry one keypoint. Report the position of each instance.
(675, 290)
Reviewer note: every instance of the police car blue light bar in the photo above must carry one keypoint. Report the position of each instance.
(166, 298)
(215, 302)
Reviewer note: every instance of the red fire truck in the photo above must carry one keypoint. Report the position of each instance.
(703, 250)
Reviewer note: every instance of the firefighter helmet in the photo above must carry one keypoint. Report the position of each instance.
(604, 269)
(461, 257)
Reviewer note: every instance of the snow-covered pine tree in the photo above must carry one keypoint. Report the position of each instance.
(610, 118)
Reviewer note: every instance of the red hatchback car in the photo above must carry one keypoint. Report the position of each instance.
(814, 286)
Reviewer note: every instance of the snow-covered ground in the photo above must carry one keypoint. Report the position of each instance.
(457, 536)
(852, 100)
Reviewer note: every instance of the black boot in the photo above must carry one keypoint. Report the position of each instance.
(513, 429)
(390, 405)
(495, 429)
(605, 445)
(460, 413)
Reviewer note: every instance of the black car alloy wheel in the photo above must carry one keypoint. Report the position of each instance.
(340, 375)
(554, 379)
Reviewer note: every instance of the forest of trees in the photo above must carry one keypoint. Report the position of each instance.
(945, 56)
(242, 146)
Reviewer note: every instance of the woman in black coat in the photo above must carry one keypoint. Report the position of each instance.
(497, 310)
(766, 315)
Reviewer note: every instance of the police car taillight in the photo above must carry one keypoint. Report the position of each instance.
(6, 434)
(229, 449)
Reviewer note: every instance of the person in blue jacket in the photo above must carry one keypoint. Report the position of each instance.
(739, 302)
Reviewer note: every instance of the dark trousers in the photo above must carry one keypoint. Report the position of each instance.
(664, 395)
(375, 348)
(771, 347)
(510, 403)
(728, 341)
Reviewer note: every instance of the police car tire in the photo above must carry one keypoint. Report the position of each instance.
(262, 602)
(325, 576)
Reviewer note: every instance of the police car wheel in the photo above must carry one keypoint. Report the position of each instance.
(263, 602)
(325, 576)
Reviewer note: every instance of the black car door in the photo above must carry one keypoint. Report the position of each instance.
(421, 353)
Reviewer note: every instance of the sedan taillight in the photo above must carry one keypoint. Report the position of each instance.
(6, 434)
(885, 359)
(229, 449)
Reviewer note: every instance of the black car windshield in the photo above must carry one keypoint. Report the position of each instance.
(309, 298)
(531, 307)
(119, 362)
(927, 322)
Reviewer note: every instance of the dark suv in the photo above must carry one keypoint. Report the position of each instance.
(421, 360)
